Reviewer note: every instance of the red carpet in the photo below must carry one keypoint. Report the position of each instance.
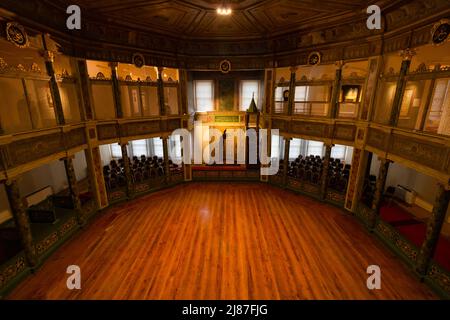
(394, 213)
(415, 231)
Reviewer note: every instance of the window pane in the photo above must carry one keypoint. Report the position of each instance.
(338, 152)
(139, 148)
(294, 148)
(204, 96)
(315, 148)
(275, 153)
(158, 147)
(175, 146)
(384, 102)
(438, 120)
(116, 151)
(301, 93)
(248, 89)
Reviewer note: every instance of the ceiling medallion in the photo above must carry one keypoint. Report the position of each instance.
(314, 58)
(16, 34)
(138, 60)
(440, 32)
(225, 66)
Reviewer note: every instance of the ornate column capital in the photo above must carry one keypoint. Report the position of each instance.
(49, 56)
(407, 54)
(293, 69)
(339, 64)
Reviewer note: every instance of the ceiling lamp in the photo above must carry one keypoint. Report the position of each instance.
(224, 11)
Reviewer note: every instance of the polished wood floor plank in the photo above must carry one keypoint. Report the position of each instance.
(223, 241)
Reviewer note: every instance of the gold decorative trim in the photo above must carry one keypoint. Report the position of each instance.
(225, 66)
(314, 58)
(16, 34)
(440, 32)
(138, 60)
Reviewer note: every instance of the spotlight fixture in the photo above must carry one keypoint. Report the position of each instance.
(224, 11)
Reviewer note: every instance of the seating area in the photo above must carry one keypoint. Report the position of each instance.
(310, 168)
(143, 168)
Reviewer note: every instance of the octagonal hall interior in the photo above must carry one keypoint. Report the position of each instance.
(209, 149)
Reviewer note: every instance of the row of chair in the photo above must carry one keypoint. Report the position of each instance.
(142, 169)
(310, 169)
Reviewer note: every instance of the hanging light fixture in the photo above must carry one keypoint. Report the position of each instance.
(224, 10)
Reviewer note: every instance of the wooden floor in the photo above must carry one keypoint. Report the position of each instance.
(223, 241)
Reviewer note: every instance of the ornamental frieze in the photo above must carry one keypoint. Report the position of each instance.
(75, 138)
(430, 154)
(27, 150)
(310, 129)
(344, 132)
(378, 139)
(140, 128)
(107, 131)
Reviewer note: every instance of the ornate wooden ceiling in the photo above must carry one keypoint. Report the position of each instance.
(260, 34)
(198, 18)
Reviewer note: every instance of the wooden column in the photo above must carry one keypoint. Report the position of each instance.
(287, 145)
(291, 100)
(73, 189)
(21, 220)
(57, 103)
(325, 176)
(183, 92)
(398, 97)
(434, 227)
(116, 89)
(127, 169)
(95, 170)
(334, 110)
(84, 87)
(378, 197)
(360, 161)
(162, 104)
(166, 157)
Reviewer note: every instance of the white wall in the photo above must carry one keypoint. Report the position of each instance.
(52, 174)
(80, 165)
